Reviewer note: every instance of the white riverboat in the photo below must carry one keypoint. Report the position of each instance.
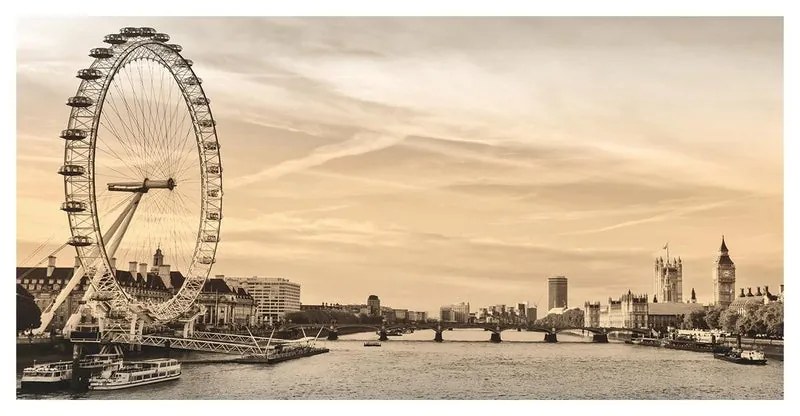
(138, 373)
(47, 376)
(58, 375)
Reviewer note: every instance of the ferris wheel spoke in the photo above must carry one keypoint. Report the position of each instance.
(134, 138)
(124, 137)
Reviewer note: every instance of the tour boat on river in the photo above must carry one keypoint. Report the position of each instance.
(47, 376)
(138, 373)
(746, 357)
(57, 375)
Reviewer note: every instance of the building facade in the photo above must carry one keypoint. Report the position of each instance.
(668, 282)
(374, 305)
(274, 296)
(591, 314)
(629, 311)
(759, 298)
(724, 277)
(556, 292)
(154, 286)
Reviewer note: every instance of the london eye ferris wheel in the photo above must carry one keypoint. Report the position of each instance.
(142, 169)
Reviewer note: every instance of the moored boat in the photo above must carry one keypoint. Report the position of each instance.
(47, 376)
(372, 344)
(138, 373)
(745, 357)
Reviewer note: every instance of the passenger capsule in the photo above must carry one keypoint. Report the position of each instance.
(214, 193)
(214, 169)
(80, 241)
(210, 239)
(89, 74)
(192, 81)
(207, 123)
(131, 32)
(210, 145)
(200, 101)
(161, 37)
(115, 39)
(146, 32)
(206, 260)
(71, 170)
(74, 134)
(213, 216)
(73, 206)
(101, 53)
(175, 47)
(79, 101)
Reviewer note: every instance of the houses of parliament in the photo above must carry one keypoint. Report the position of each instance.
(668, 281)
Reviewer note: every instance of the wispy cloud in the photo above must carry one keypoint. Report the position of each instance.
(361, 143)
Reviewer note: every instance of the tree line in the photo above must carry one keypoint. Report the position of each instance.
(755, 319)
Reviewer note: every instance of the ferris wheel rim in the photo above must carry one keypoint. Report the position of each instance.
(80, 156)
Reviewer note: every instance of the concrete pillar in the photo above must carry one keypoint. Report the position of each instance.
(600, 338)
(495, 337)
(550, 337)
(75, 383)
(438, 336)
(383, 336)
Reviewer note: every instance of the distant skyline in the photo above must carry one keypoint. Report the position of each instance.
(438, 160)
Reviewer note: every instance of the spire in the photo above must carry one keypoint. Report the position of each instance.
(694, 297)
(723, 248)
(158, 257)
(655, 299)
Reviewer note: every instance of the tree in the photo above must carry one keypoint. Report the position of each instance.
(728, 319)
(771, 318)
(28, 313)
(695, 320)
(713, 315)
(572, 318)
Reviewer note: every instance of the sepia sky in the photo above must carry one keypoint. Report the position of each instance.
(438, 160)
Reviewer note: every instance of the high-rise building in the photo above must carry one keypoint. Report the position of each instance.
(458, 312)
(274, 296)
(724, 276)
(668, 282)
(557, 292)
(374, 305)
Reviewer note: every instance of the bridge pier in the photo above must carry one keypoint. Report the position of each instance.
(75, 382)
(438, 336)
(383, 336)
(550, 337)
(600, 338)
(495, 337)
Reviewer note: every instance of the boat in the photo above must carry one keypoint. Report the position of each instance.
(47, 376)
(372, 344)
(745, 357)
(58, 375)
(138, 373)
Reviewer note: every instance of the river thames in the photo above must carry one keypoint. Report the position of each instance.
(466, 366)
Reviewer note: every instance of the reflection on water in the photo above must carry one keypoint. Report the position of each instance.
(467, 366)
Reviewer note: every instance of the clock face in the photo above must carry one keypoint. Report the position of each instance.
(726, 273)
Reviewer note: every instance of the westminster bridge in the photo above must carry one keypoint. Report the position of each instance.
(331, 331)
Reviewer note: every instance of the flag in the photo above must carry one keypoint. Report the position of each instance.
(666, 246)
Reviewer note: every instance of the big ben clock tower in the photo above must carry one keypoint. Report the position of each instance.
(724, 277)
